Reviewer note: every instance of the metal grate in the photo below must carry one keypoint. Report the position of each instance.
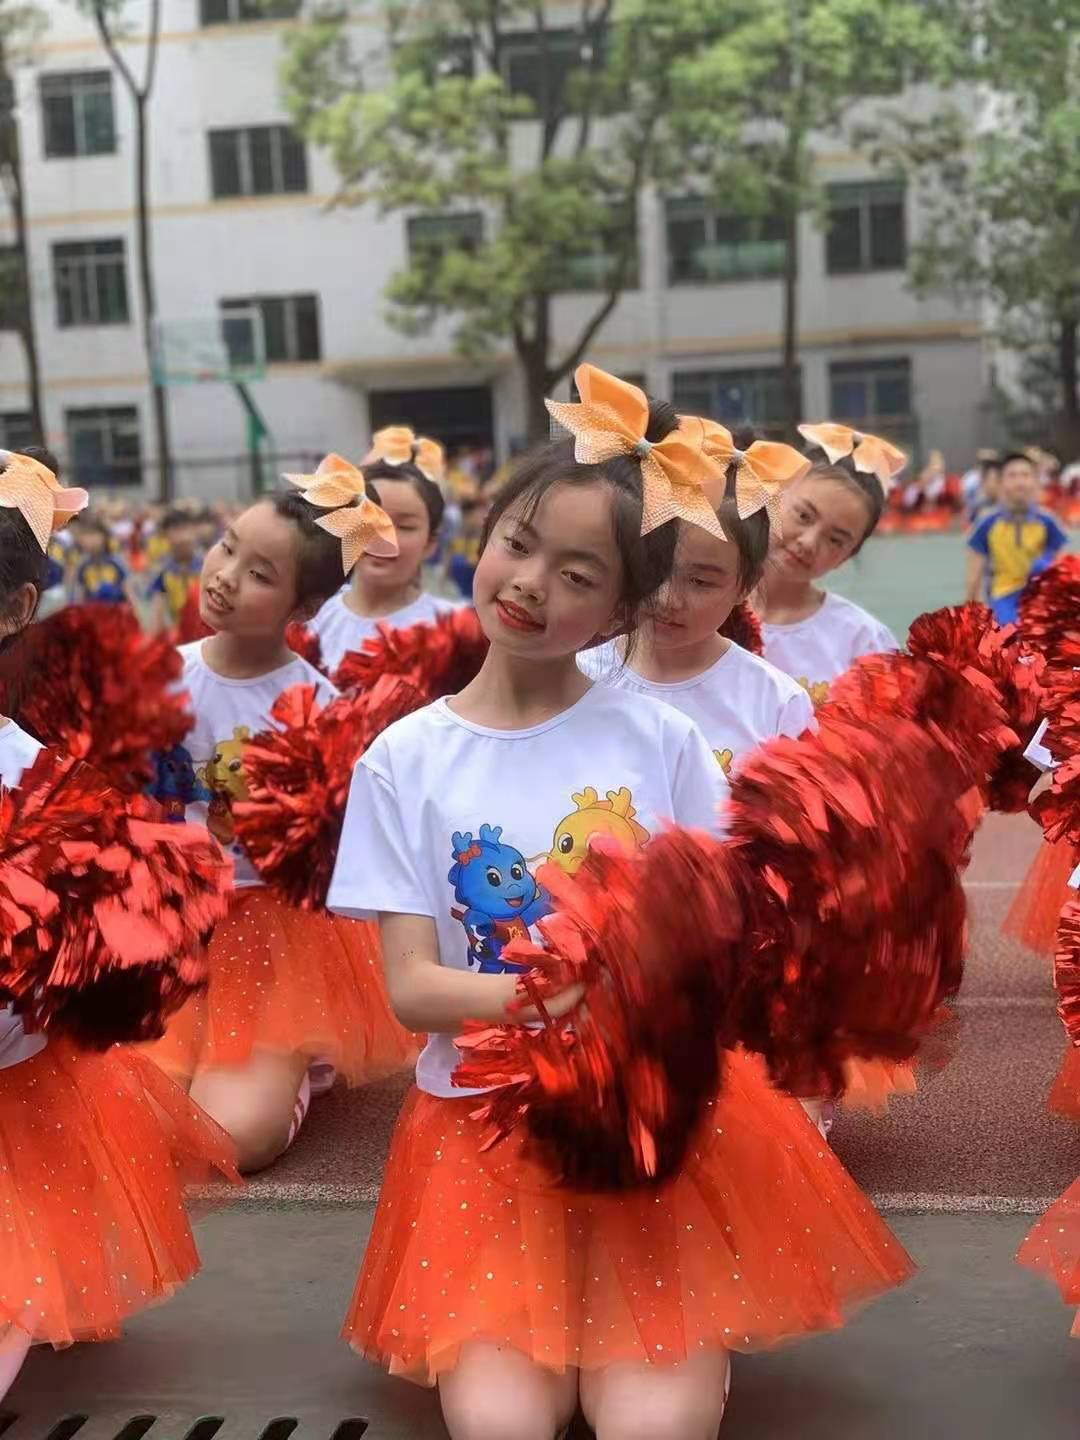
(205, 1428)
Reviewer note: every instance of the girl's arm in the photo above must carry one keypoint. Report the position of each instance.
(427, 996)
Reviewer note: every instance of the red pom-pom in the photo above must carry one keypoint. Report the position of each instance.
(1067, 967)
(90, 682)
(438, 657)
(1050, 613)
(306, 644)
(298, 777)
(744, 627)
(104, 906)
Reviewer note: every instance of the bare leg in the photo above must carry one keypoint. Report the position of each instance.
(13, 1351)
(653, 1402)
(254, 1103)
(497, 1393)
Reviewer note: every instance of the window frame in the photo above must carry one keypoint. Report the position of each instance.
(711, 218)
(108, 420)
(244, 159)
(427, 253)
(90, 287)
(871, 373)
(758, 377)
(78, 85)
(235, 12)
(862, 197)
(291, 324)
(14, 424)
(518, 44)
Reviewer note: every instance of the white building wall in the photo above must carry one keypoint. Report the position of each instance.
(207, 249)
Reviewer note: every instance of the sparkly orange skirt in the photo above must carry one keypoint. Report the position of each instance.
(763, 1236)
(295, 981)
(871, 1084)
(95, 1152)
(1034, 914)
(1053, 1248)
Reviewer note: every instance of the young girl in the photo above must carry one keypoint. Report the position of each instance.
(287, 987)
(515, 1296)
(96, 1147)
(736, 699)
(825, 518)
(405, 473)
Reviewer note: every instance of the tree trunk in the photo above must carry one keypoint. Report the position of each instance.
(26, 331)
(533, 355)
(1068, 438)
(166, 488)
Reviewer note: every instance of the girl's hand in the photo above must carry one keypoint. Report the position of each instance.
(559, 1005)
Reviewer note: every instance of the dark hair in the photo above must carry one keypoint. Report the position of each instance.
(429, 492)
(178, 519)
(318, 569)
(750, 536)
(22, 561)
(647, 560)
(44, 457)
(1017, 455)
(867, 487)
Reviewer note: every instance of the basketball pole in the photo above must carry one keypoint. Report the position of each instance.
(257, 433)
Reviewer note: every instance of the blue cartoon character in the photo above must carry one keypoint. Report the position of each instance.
(175, 785)
(501, 898)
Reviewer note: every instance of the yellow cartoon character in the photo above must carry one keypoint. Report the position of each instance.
(724, 758)
(610, 819)
(223, 776)
(818, 690)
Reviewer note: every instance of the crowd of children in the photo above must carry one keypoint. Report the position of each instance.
(603, 570)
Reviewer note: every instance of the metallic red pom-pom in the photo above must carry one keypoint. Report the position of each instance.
(744, 627)
(1050, 613)
(438, 657)
(306, 644)
(1067, 968)
(90, 682)
(105, 907)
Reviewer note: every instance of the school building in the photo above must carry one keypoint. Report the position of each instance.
(243, 220)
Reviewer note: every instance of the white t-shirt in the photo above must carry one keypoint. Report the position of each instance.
(202, 777)
(1037, 752)
(816, 650)
(455, 821)
(341, 630)
(18, 751)
(738, 703)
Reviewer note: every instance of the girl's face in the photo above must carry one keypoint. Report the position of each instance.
(700, 595)
(412, 526)
(823, 523)
(549, 584)
(249, 577)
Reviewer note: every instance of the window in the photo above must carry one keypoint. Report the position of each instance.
(866, 228)
(91, 283)
(16, 430)
(753, 397)
(261, 160)
(103, 446)
(430, 237)
(232, 12)
(451, 58)
(12, 289)
(870, 389)
(290, 329)
(537, 66)
(77, 114)
(705, 247)
(593, 266)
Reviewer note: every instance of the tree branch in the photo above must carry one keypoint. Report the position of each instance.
(594, 26)
(113, 52)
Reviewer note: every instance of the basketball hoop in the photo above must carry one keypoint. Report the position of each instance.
(228, 347)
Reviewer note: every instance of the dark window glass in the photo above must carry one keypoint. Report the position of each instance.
(77, 114)
(431, 236)
(538, 68)
(228, 12)
(844, 241)
(888, 250)
(90, 280)
(866, 228)
(290, 328)
(225, 179)
(706, 247)
(262, 147)
(308, 346)
(104, 446)
(293, 161)
(753, 397)
(16, 430)
(870, 390)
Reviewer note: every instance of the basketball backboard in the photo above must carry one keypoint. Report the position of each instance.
(225, 347)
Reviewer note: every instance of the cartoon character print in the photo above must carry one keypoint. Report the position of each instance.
(175, 785)
(594, 819)
(223, 777)
(500, 896)
(818, 690)
(725, 759)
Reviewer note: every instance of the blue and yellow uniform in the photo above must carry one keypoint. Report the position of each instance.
(173, 581)
(1015, 546)
(101, 578)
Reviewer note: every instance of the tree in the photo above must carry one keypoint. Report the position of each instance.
(20, 25)
(794, 73)
(106, 17)
(1000, 187)
(547, 134)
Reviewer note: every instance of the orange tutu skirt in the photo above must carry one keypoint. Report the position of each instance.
(295, 981)
(1053, 1248)
(763, 1236)
(871, 1084)
(95, 1151)
(1034, 914)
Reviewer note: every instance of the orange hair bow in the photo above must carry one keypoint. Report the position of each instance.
(362, 529)
(869, 454)
(761, 471)
(397, 445)
(612, 419)
(31, 488)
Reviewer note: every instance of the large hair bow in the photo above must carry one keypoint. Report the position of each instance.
(397, 445)
(612, 419)
(761, 471)
(31, 488)
(362, 529)
(869, 454)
